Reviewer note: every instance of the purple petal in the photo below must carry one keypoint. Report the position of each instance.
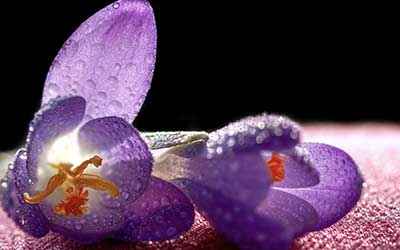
(127, 163)
(293, 213)
(28, 217)
(127, 160)
(59, 116)
(162, 212)
(339, 188)
(239, 176)
(236, 220)
(233, 160)
(299, 171)
(109, 60)
(267, 132)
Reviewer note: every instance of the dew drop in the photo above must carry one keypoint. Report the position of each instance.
(116, 104)
(78, 226)
(171, 231)
(102, 94)
(117, 68)
(164, 201)
(112, 80)
(4, 184)
(115, 5)
(53, 88)
(80, 64)
(125, 195)
(91, 84)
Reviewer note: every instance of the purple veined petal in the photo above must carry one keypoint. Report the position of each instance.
(109, 60)
(339, 188)
(127, 161)
(28, 217)
(235, 220)
(290, 211)
(59, 116)
(162, 212)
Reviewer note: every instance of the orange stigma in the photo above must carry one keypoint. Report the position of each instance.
(76, 197)
(74, 202)
(276, 166)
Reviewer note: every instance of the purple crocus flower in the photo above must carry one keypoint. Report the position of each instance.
(259, 186)
(85, 172)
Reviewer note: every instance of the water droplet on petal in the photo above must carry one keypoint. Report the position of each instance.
(115, 5)
(102, 94)
(116, 104)
(171, 231)
(117, 68)
(91, 84)
(125, 195)
(113, 81)
(53, 88)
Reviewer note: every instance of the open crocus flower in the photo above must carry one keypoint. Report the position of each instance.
(259, 186)
(85, 172)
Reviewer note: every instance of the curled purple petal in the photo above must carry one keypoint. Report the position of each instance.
(239, 176)
(127, 161)
(235, 220)
(59, 116)
(290, 211)
(28, 217)
(232, 162)
(109, 60)
(162, 212)
(267, 132)
(339, 187)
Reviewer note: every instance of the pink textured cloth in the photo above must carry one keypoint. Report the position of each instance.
(373, 223)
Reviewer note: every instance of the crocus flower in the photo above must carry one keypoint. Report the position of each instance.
(259, 186)
(85, 172)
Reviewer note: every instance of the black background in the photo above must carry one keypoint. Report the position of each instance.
(221, 60)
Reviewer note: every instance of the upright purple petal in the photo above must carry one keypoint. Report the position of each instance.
(127, 161)
(162, 212)
(109, 60)
(59, 116)
(28, 217)
(339, 187)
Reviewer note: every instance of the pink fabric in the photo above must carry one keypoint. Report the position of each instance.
(373, 223)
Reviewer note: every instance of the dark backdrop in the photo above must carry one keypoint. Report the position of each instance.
(221, 60)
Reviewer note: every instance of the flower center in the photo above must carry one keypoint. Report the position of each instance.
(276, 166)
(75, 181)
